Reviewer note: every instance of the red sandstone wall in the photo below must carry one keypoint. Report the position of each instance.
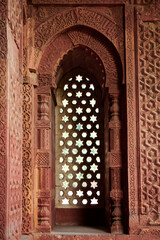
(11, 121)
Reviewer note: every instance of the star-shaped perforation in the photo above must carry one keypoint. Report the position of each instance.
(79, 159)
(79, 143)
(79, 193)
(65, 102)
(79, 78)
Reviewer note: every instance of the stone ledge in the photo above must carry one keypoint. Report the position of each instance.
(91, 237)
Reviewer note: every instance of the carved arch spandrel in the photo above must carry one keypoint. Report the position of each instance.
(79, 16)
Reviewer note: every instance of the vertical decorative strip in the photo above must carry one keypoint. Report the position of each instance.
(3, 116)
(27, 159)
(131, 119)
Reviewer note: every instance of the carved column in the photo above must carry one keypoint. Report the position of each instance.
(43, 159)
(116, 194)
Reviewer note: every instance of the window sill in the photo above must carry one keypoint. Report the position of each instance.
(79, 230)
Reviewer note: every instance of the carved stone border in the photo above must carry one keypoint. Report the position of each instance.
(131, 120)
(3, 118)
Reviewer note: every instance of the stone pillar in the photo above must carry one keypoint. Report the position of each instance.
(116, 194)
(43, 146)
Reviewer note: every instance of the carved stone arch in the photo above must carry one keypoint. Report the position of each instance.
(79, 16)
(93, 40)
(62, 46)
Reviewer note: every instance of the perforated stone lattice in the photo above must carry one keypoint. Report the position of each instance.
(79, 138)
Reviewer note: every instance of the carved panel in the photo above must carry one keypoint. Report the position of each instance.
(43, 107)
(27, 158)
(43, 138)
(42, 159)
(44, 214)
(149, 111)
(115, 159)
(3, 117)
(43, 13)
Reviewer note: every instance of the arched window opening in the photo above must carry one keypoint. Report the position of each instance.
(79, 164)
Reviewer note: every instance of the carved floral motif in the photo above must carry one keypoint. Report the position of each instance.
(27, 159)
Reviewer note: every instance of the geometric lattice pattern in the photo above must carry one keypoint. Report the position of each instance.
(42, 159)
(149, 110)
(79, 150)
